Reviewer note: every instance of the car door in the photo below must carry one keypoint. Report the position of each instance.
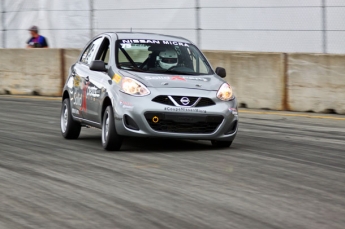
(82, 101)
(76, 92)
(97, 80)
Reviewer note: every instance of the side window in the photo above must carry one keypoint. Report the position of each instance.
(106, 57)
(104, 51)
(89, 52)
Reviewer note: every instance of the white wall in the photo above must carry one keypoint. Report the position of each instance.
(335, 22)
(1, 22)
(64, 23)
(240, 25)
(155, 16)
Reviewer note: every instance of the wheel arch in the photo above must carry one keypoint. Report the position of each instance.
(65, 95)
(105, 104)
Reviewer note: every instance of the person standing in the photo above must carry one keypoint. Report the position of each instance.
(36, 40)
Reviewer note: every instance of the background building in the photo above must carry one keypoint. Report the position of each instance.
(244, 25)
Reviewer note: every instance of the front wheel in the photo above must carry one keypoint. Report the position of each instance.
(221, 144)
(70, 129)
(111, 141)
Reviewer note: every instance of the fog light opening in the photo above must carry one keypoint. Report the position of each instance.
(232, 128)
(130, 123)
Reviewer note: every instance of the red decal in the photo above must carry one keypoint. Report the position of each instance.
(83, 103)
(177, 78)
(125, 103)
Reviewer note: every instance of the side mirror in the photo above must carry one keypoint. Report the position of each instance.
(221, 72)
(98, 65)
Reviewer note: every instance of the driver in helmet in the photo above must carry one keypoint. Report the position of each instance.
(167, 59)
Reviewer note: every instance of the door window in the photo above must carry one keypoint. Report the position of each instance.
(104, 51)
(90, 51)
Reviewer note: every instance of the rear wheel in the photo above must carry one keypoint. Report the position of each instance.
(111, 141)
(221, 144)
(70, 129)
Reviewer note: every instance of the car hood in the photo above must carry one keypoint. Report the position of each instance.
(202, 82)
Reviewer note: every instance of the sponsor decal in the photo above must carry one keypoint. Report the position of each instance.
(181, 78)
(117, 78)
(93, 92)
(184, 109)
(141, 41)
(83, 92)
(145, 41)
(126, 46)
(178, 78)
(126, 105)
(76, 81)
(175, 43)
(157, 77)
(197, 78)
(75, 111)
(77, 99)
(83, 101)
(233, 110)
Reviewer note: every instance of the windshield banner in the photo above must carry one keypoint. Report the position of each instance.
(145, 41)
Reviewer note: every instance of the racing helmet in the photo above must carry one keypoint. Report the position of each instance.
(167, 59)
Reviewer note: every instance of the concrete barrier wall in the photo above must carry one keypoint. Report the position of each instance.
(30, 71)
(70, 57)
(256, 78)
(277, 81)
(316, 82)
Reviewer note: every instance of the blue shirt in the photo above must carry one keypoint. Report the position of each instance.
(38, 42)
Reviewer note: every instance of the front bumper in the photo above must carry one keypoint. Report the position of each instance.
(216, 122)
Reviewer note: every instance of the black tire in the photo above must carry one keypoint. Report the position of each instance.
(70, 129)
(221, 144)
(111, 141)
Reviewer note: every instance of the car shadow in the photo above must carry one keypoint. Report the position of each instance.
(153, 145)
(164, 145)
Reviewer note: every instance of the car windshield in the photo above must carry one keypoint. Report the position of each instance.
(161, 56)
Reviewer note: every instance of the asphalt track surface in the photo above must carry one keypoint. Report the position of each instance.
(284, 170)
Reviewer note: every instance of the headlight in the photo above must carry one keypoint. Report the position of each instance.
(133, 87)
(225, 92)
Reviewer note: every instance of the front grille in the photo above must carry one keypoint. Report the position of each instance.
(203, 102)
(163, 99)
(192, 100)
(183, 123)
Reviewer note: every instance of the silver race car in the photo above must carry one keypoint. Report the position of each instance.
(147, 85)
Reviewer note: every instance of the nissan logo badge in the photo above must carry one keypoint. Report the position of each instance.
(185, 101)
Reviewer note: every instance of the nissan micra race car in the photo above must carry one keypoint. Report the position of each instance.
(147, 85)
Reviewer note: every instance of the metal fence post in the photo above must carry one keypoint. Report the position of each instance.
(324, 27)
(3, 15)
(197, 15)
(91, 19)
